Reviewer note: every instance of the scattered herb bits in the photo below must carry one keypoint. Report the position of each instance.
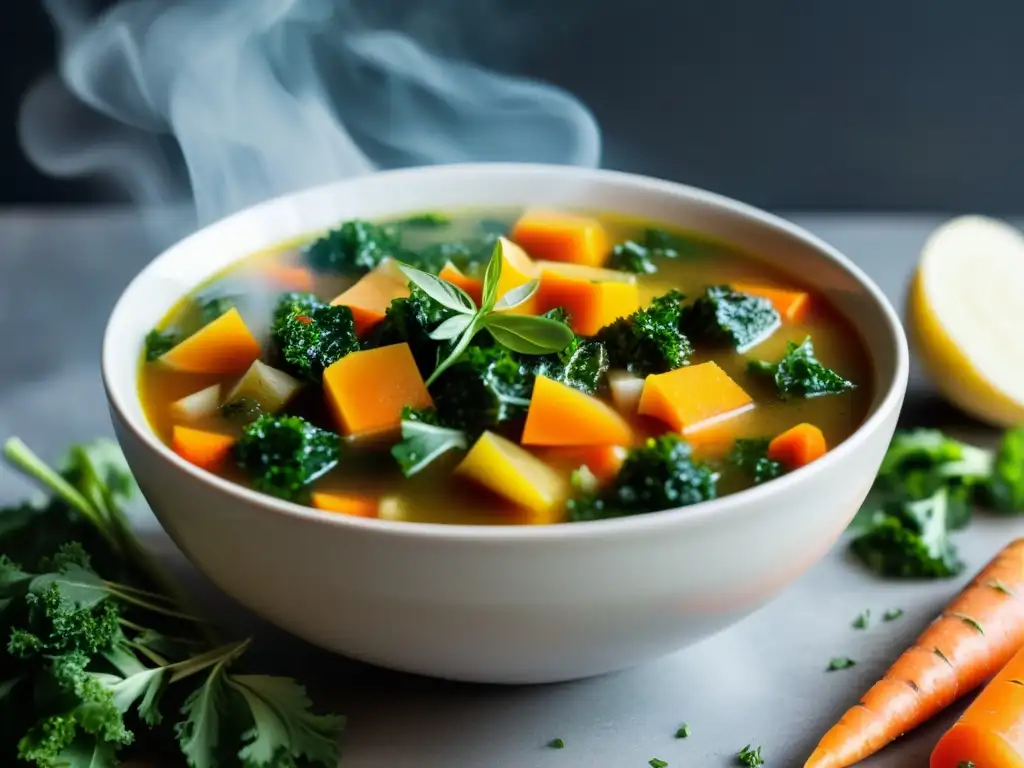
(892, 614)
(750, 756)
(556, 744)
(840, 662)
(862, 621)
(683, 732)
(656, 762)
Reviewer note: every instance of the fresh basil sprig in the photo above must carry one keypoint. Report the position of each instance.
(526, 334)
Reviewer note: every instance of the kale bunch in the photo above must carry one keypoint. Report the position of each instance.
(649, 340)
(284, 455)
(309, 335)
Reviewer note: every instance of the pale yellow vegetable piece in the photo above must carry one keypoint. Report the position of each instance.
(519, 476)
(626, 389)
(268, 386)
(964, 314)
(198, 405)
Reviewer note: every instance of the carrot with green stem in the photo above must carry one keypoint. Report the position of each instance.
(975, 636)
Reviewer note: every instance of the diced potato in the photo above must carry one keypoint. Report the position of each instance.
(560, 236)
(470, 285)
(561, 415)
(268, 386)
(514, 473)
(223, 346)
(373, 293)
(367, 390)
(517, 268)
(199, 405)
(591, 305)
(346, 504)
(693, 397)
(626, 389)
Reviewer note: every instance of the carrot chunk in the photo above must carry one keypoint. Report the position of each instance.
(561, 415)
(288, 277)
(517, 268)
(691, 398)
(208, 450)
(457, 277)
(367, 390)
(370, 297)
(980, 631)
(346, 504)
(225, 345)
(592, 296)
(603, 461)
(792, 306)
(514, 473)
(797, 446)
(559, 236)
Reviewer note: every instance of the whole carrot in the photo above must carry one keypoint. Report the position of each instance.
(973, 638)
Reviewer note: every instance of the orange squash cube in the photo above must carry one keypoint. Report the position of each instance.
(792, 306)
(561, 415)
(603, 461)
(593, 297)
(223, 346)
(693, 397)
(457, 277)
(559, 236)
(370, 297)
(207, 450)
(367, 390)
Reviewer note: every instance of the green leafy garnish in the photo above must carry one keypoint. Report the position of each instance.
(892, 614)
(658, 475)
(683, 732)
(657, 762)
(102, 645)
(354, 248)
(723, 316)
(524, 334)
(840, 662)
(556, 744)
(649, 340)
(862, 620)
(641, 256)
(750, 756)
(1005, 490)
(159, 343)
(424, 440)
(212, 307)
(799, 374)
(310, 336)
(284, 455)
(751, 455)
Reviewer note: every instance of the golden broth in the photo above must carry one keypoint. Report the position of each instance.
(434, 495)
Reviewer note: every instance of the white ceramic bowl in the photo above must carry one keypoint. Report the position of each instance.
(504, 604)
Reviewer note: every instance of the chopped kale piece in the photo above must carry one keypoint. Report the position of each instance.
(581, 365)
(469, 256)
(310, 335)
(354, 248)
(723, 316)
(751, 455)
(641, 256)
(411, 320)
(212, 307)
(558, 313)
(284, 455)
(1005, 489)
(487, 387)
(649, 340)
(750, 757)
(799, 374)
(493, 227)
(159, 343)
(658, 475)
(427, 221)
(241, 411)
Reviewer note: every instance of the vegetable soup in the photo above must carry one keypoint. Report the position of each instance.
(503, 367)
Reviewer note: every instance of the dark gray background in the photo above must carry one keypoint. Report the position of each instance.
(791, 104)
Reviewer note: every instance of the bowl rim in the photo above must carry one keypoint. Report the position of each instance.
(649, 523)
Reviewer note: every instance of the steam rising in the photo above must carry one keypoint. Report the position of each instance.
(229, 102)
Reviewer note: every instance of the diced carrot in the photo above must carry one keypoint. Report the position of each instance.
(367, 390)
(561, 415)
(692, 398)
(288, 277)
(626, 389)
(470, 285)
(603, 461)
(346, 504)
(792, 306)
(373, 293)
(517, 268)
(208, 450)
(560, 236)
(593, 297)
(989, 733)
(514, 473)
(797, 446)
(977, 634)
(225, 345)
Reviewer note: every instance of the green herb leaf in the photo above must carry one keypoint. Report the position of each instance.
(556, 744)
(1006, 487)
(159, 343)
(656, 762)
(799, 374)
(862, 621)
(517, 295)
(892, 614)
(750, 756)
(840, 662)
(199, 733)
(424, 440)
(683, 732)
(751, 455)
(444, 293)
(527, 334)
(451, 328)
(491, 277)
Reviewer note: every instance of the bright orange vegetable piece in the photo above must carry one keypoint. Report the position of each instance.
(792, 306)
(457, 277)
(560, 236)
(591, 301)
(225, 345)
(693, 397)
(207, 450)
(367, 390)
(346, 504)
(977, 634)
(991, 731)
(370, 297)
(517, 268)
(561, 415)
(798, 446)
(603, 461)
(288, 277)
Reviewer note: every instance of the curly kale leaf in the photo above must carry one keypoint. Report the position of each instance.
(310, 335)
(658, 475)
(487, 387)
(159, 343)
(799, 374)
(649, 340)
(354, 248)
(284, 455)
(582, 365)
(1005, 488)
(723, 316)
(751, 455)
(411, 320)
(642, 256)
